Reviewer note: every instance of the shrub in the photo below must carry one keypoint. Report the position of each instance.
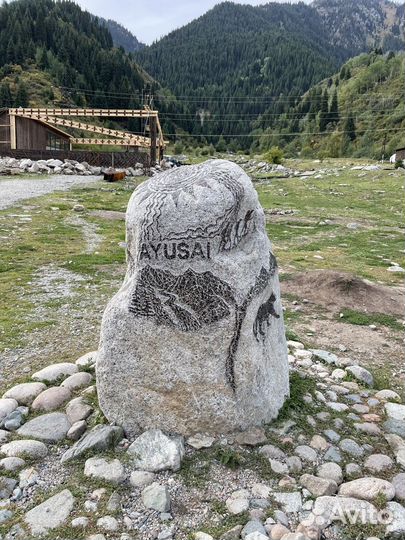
(274, 155)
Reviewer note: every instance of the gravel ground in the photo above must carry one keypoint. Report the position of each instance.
(13, 190)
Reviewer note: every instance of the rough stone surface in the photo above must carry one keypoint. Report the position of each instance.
(395, 411)
(237, 506)
(76, 430)
(25, 393)
(7, 486)
(156, 497)
(306, 453)
(154, 451)
(291, 502)
(396, 529)
(25, 448)
(77, 380)
(328, 509)
(377, 463)
(87, 360)
(98, 439)
(361, 374)
(194, 341)
(111, 471)
(50, 514)
(141, 478)
(108, 523)
(7, 406)
(50, 428)
(55, 371)
(388, 395)
(351, 447)
(399, 484)
(318, 486)
(397, 427)
(77, 409)
(51, 399)
(11, 464)
(331, 471)
(199, 441)
(367, 488)
(278, 531)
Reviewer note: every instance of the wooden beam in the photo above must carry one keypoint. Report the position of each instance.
(105, 113)
(153, 140)
(13, 133)
(109, 142)
(84, 126)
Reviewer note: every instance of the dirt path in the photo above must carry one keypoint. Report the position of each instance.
(13, 190)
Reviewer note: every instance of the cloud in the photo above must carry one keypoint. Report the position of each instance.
(149, 20)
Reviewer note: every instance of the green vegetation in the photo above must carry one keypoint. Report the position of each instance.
(357, 112)
(52, 240)
(324, 207)
(364, 319)
(73, 48)
(295, 407)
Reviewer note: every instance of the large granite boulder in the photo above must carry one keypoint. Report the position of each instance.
(194, 340)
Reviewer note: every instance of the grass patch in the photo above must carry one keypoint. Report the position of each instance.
(295, 405)
(365, 319)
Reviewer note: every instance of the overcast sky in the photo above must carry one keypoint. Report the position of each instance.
(149, 20)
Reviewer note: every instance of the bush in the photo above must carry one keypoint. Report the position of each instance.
(205, 151)
(274, 155)
(399, 164)
(221, 145)
(178, 148)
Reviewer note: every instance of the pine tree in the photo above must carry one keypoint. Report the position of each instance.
(323, 116)
(21, 98)
(6, 99)
(350, 127)
(334, 108)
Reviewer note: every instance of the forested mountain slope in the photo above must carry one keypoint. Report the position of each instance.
(122, 37)
(64, 47)
(239, 61)
(359, 111)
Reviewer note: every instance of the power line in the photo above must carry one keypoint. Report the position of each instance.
(259, 135)
(205, 97)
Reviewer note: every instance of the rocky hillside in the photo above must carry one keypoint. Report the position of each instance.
(363, 24)
(122, 37)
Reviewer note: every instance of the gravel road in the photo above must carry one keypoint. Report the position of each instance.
(13, 190)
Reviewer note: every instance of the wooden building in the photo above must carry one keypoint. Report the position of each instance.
(19, 133)
(34, 129)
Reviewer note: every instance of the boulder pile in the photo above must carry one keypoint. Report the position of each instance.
(12, 166)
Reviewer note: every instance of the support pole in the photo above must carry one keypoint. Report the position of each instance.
(153, 137)
(13, 133)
